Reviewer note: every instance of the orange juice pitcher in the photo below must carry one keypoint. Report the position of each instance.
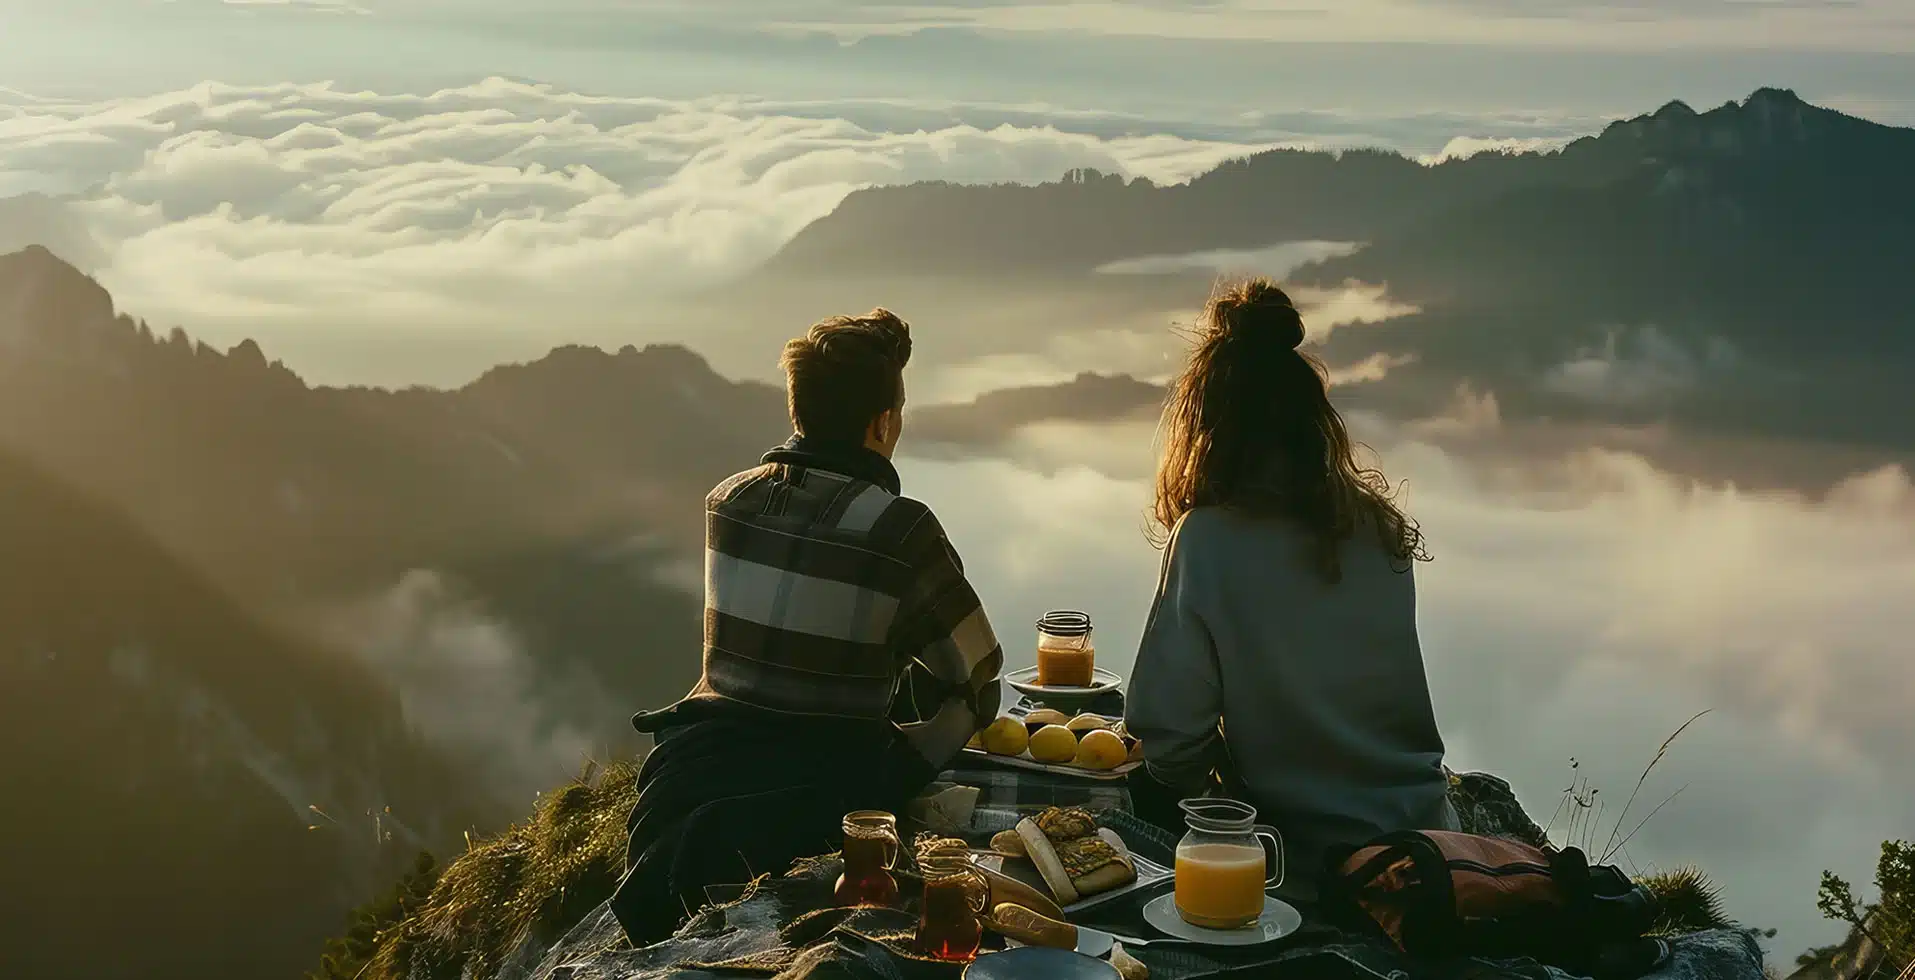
(1222, 863)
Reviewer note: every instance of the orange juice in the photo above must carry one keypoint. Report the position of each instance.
(1219, 886)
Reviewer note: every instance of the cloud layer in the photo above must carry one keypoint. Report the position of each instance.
(1612, 23)
(490, 200)
(466, 683)
(1582, 607)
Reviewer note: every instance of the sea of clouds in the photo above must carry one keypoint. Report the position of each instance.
(525, 214)
(486, 202)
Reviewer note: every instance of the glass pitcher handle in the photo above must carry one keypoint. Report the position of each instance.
(1264, 832)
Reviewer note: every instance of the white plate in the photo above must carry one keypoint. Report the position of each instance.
(1279, 920)
(1025, 680)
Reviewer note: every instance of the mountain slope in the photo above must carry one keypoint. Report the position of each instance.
(163, 750)
(173, 515)
(559, 496)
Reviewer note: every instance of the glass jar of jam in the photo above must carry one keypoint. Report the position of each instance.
(1065, 653)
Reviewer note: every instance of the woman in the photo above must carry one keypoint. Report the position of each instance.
(1281, 653)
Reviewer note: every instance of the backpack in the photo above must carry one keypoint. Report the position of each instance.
(1442, 894)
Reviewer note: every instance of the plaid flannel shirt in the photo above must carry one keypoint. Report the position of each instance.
(829, 595)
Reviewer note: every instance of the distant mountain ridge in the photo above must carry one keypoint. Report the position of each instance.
(1737, 272)
(240, 465)
(1089, 218)
(994, 416)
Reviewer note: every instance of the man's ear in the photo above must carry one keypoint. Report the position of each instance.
(879, 431)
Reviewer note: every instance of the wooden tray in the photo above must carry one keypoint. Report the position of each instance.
(1057, 768)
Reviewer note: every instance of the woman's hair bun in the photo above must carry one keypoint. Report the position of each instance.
(1260, 308)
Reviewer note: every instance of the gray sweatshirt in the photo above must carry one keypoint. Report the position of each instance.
(1317, 691)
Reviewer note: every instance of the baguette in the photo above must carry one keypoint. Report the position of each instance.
(1038, 848)
(1006, 889)
(1032, 929)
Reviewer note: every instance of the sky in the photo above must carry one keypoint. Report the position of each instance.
(408, 191)
(1214, 60)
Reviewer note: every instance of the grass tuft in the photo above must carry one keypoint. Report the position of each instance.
(1690, 902)
(534, 880)
(1582, 808)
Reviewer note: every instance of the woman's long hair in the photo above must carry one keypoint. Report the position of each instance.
(1249, 426)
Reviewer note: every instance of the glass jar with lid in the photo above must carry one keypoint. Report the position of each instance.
(1066, 655)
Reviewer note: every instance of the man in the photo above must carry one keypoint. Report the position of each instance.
(846, 658)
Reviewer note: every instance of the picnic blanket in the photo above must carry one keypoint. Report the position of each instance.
(1029, 791)
(782, 927)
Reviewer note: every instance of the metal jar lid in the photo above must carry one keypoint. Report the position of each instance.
(1065, 622)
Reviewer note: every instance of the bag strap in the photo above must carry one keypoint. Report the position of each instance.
(1429, 919)
(1338, 894)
